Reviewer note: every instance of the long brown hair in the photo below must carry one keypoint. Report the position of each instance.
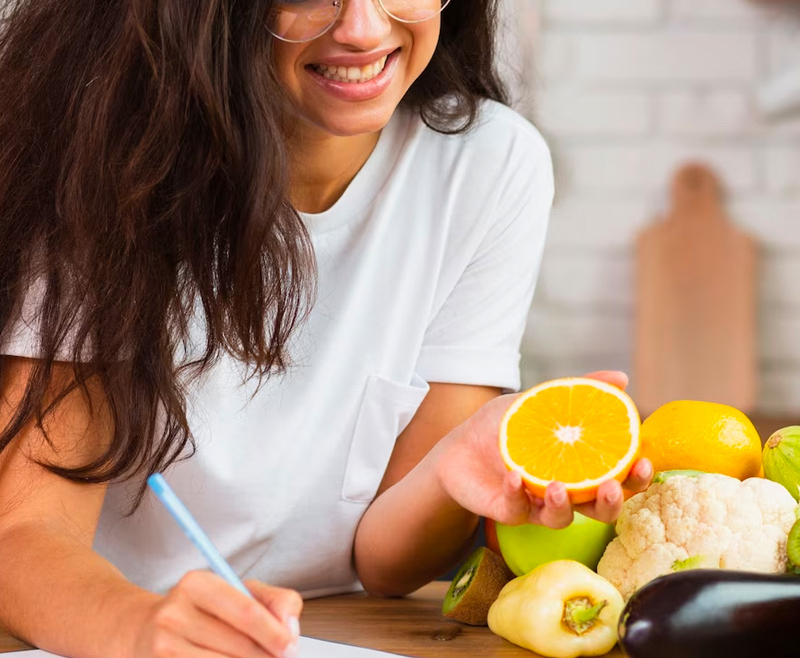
(143, 184)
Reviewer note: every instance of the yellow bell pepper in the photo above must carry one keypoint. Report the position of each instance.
(561, 609)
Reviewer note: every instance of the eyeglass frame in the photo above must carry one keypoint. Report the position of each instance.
(340, 6)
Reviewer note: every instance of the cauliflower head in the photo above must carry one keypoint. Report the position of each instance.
(706, 520)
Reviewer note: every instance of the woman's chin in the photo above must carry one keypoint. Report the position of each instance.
(354, 123)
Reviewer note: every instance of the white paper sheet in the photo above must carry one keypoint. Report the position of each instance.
(309, 648)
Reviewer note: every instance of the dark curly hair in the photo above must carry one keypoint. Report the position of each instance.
(143, 184)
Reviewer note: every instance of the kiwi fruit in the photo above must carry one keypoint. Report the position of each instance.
(475, 587)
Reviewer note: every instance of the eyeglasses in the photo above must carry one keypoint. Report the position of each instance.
(298, 21)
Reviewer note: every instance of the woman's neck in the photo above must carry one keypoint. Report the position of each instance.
(323, 166)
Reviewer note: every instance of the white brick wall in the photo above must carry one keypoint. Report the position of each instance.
(782, 170)
(673, 55)
(715, 12)
(582, 224)
(576, 112)
(587, 281)
(713, 112)
(774, 220)
(646, 165)
(780, 281)
(592, 12)
(625, 91)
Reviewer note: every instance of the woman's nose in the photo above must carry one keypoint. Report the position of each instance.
(363, 24)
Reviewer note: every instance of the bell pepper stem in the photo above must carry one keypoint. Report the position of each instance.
(580, 615)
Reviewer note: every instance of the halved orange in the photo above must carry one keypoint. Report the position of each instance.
(574, 430)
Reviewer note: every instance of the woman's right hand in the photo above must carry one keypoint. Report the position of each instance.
(471, 471)
(205, 617)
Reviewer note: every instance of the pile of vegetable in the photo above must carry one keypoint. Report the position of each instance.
(702, 564)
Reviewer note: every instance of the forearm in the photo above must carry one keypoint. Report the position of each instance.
(411, 533)
(61, 596)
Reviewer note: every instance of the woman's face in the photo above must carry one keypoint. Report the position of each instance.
(351, 79)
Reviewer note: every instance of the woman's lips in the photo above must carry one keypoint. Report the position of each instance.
(357, 91)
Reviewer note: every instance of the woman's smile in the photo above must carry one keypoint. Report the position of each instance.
(351, 67)
(348, 79)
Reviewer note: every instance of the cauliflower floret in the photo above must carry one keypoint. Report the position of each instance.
(706, 520)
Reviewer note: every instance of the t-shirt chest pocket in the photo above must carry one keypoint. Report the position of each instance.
(386, 409)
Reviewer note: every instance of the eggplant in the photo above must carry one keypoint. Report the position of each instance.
(705, 613)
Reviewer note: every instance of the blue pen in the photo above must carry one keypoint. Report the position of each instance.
(194, 532)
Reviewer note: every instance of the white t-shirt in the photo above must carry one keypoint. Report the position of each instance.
(427, 265)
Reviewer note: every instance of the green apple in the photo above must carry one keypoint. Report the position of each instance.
(525, 547)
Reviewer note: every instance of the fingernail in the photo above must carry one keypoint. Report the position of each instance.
(559, 496)
(293, 623)
(614, 496)
(291, 651)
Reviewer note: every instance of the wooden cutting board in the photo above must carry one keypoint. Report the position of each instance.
(695, 334)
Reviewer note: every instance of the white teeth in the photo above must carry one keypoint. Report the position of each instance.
(352, 74)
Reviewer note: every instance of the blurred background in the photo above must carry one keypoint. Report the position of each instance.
(626, 92)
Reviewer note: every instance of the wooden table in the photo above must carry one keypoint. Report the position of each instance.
(412, 626)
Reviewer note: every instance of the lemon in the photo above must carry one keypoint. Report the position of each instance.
(705, 436)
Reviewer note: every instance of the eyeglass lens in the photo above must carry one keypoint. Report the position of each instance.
(303, 20)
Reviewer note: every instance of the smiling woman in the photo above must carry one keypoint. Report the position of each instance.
(177, 180)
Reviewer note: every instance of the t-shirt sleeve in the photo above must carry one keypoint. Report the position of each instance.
(22, 337)
(474, 338)
(23, 334)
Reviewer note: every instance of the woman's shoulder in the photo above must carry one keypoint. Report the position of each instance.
(499, 142)
(485, 176)
(498, 122)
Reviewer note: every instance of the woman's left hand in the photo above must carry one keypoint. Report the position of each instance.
(471, 471)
